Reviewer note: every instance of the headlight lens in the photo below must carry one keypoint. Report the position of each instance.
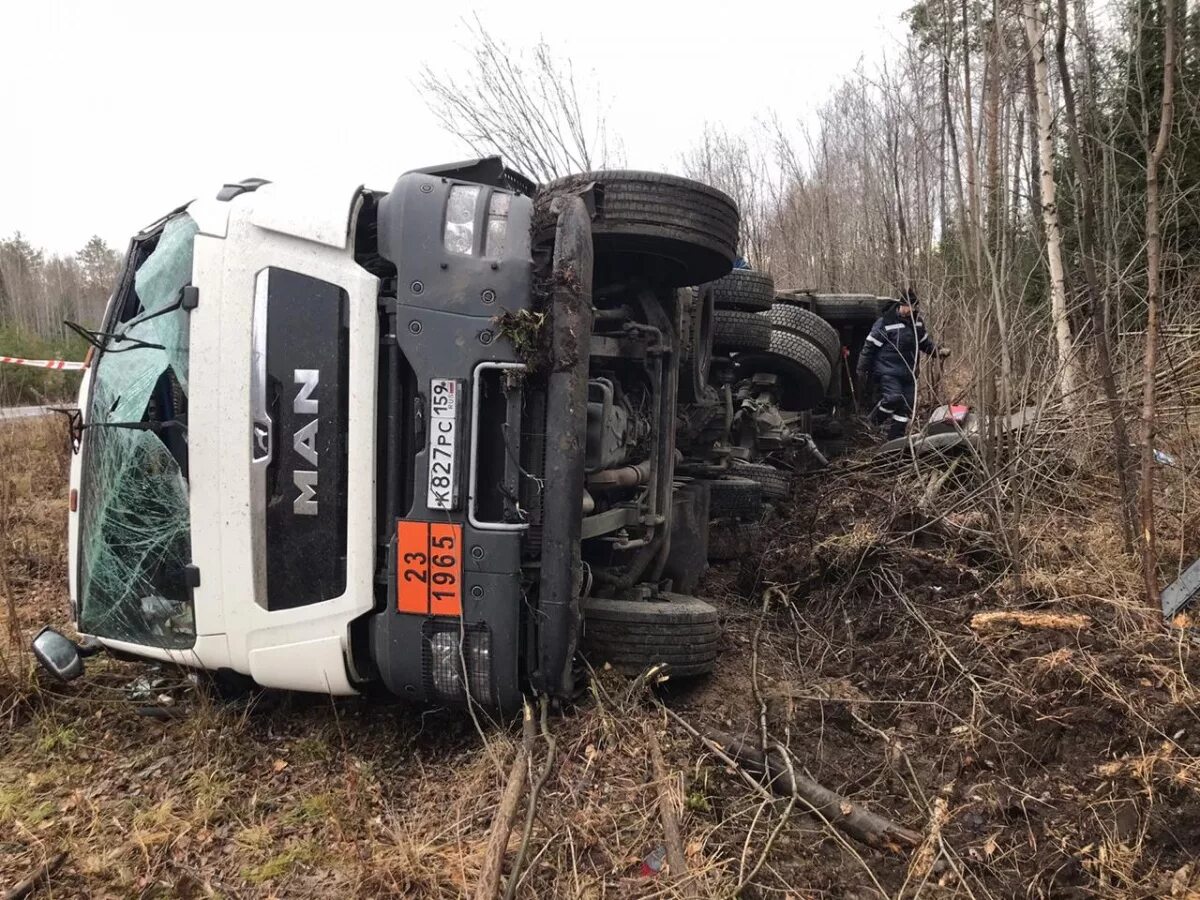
(497, 224)
(444, 664)
(460, 219)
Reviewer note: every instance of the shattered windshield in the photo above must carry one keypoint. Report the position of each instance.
(134, 538)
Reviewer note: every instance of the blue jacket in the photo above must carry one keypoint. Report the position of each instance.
(894, 345)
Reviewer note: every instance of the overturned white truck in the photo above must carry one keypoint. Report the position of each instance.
(452, 440)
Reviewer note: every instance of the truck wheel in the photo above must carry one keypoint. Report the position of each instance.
(736, 331)
(732, 497)
(676, 230)
(698, 345)
(803, 370)
(634, 635)
(775, 484)
(733, 540)
(809, 326)
(849, 309)
(744, 289)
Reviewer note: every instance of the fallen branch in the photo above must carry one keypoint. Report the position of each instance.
(666, 806)
(488, 885)
(861, 824)
(42, 873)
(923, 860)
(986, 621)
(715, 747)
(535, 791)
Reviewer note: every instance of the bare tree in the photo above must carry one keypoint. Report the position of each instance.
(1085, 215)
(526, 107)
(1154, 157)
(1035, 32)
(733, 164)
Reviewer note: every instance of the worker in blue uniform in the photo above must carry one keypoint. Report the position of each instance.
(891, 358)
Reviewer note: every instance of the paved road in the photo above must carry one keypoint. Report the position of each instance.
(23, 412)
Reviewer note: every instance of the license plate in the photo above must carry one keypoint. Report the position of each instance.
(442, 490)
(429, 568)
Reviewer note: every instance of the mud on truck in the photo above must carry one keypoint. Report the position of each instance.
(453, 441)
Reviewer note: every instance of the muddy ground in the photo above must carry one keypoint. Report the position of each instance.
(1052, 754)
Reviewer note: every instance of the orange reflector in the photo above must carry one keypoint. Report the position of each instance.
(74, 499)
(429, 568)
(87, 359)
(445, 569)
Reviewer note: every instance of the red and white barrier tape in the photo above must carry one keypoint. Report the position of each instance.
(56, 364)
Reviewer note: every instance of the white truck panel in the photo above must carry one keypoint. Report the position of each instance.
(318, 212)
(220, 440)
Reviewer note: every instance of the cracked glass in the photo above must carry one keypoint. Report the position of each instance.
(134, 536)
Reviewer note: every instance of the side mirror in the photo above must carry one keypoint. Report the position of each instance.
(58, 654)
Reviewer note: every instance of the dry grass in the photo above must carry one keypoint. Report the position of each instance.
(1039, 761)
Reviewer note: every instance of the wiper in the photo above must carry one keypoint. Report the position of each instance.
(100, 339)
(76, 425)
(154, 314)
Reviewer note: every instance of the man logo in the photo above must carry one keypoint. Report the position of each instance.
(305, 441)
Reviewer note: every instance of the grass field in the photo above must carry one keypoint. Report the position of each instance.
(1048, 751)
(20, 385)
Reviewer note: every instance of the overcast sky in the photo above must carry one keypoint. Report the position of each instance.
(118, 110)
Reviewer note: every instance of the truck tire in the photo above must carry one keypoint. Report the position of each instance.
(776, 484)
(738, 331)
(733, 497)
(683, 231)
(809, 326)
(803, 299)
(733, 540)
(803, 370)
(696, 357)
(634, 635)
(744, 289)
(849, 308)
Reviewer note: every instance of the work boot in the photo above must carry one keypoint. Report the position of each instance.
(896, 427)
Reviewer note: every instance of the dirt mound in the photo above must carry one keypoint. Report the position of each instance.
(1029, 704)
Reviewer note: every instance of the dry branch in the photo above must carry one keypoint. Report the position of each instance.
(986, 621)
(923, 860)
(872, 829)
(488, 885)
(41, 873)
(667, 811)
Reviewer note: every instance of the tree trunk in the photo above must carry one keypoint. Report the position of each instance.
(964, 226)
(1035, 192)
(1085, 211)
(1068, 365)
(1154, 156)
(969, 135)
(995, 207)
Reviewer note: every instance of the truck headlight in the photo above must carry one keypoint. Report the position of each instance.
(444, 663)
(497, 225)
(460, 219)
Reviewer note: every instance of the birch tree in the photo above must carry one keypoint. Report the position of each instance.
(1068, 363)
(1154, 157)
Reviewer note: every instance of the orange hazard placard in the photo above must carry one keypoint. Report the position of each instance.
(429, 568)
